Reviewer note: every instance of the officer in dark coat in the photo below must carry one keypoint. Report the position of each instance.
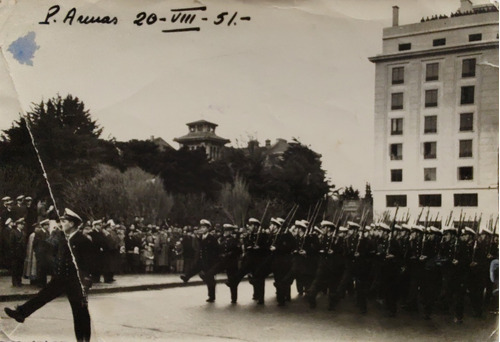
(230, 251)
(461, 262)
(73, 280)
(42, 251)
(100, 247)
(17, 246)
(208, 258)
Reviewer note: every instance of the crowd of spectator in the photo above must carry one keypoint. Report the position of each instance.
(29, 234)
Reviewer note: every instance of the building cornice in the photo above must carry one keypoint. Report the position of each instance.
(434, 52)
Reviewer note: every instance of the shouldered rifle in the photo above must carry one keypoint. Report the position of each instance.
(362, 223)
(419, 215)
(392, 231)
(311, 222)
(288, 219)
(261, 223)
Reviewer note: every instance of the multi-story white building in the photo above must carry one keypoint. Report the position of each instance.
(436, 115)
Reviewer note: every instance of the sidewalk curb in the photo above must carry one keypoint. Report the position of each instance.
(145, 287)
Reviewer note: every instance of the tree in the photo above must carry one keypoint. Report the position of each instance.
(350, 193)
(234, 200)
(368, 194)
(65, 135)
(113, 194)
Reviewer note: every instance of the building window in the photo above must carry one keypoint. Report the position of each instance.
(405, 47)
(398, 75)
(430, 124)
(465, 148)
(466, 122)
(432, 72)
(465, 173)
(430, 150)
(431, 98)
(429, 174)
(469, 67)
(397, 175)
(465, 200)
(396, 151)
(439, 42)
(396, 101)
(475, 37)
(397, 126)
(467, 95)
(395, 201)
(429, 200)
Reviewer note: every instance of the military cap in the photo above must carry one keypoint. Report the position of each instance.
(372, 225)
(71, 216)
(29, 198)
(418, 228)
(384, 226)
(305, 222)
(368, 228)
(300, 224)
(486, 231)
(20, 220)
(352, 224)
(96, 222)
(318, 230)
(228, 226)
(112, 223)
(8, 221)
(46, 221)
(9, 202)
(204, 222)
(253, 221)
(468, 230)
(405, 226)
(397, 227)
(435, 230)
(20, 197)
(6, 198)
(327, 223)
(277, 221)
(343, 229)
(450, 229)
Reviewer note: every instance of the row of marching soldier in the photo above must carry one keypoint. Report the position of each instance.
(395, 265)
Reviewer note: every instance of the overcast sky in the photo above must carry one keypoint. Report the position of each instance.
(296, 69)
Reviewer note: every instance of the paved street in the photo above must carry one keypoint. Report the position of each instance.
(182, 314)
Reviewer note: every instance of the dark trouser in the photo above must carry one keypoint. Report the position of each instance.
(431, 283)
(249, 264)
(477, 284)
(361, 274)
(17, 271)
(263, 269)
(329, 273)
(230, 265)
(390, 285)
(280, 266)
(194, 270)
(42, 269)
(57, 286)
(416, 270)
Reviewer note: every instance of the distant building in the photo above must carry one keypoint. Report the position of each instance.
(272, 152)
(436, 114)
(202, 135)
(162, 144)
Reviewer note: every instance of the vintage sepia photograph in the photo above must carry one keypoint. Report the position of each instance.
(249, 170)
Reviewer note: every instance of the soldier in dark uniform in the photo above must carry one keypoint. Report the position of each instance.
(209, 256)
(414, 266)
(461, 262)
(252, 255)
(19, 209)
(391, 270)
(262, 256)
(351, 240)
(71, 279)
(17, 246)
(361, 268)
(308, 256)
(479, 271)
(431, 276)
(42, 251)
(5, 214)
(446, 256)
(230, 251)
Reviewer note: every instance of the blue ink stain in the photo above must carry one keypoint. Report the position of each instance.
(23, 49)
